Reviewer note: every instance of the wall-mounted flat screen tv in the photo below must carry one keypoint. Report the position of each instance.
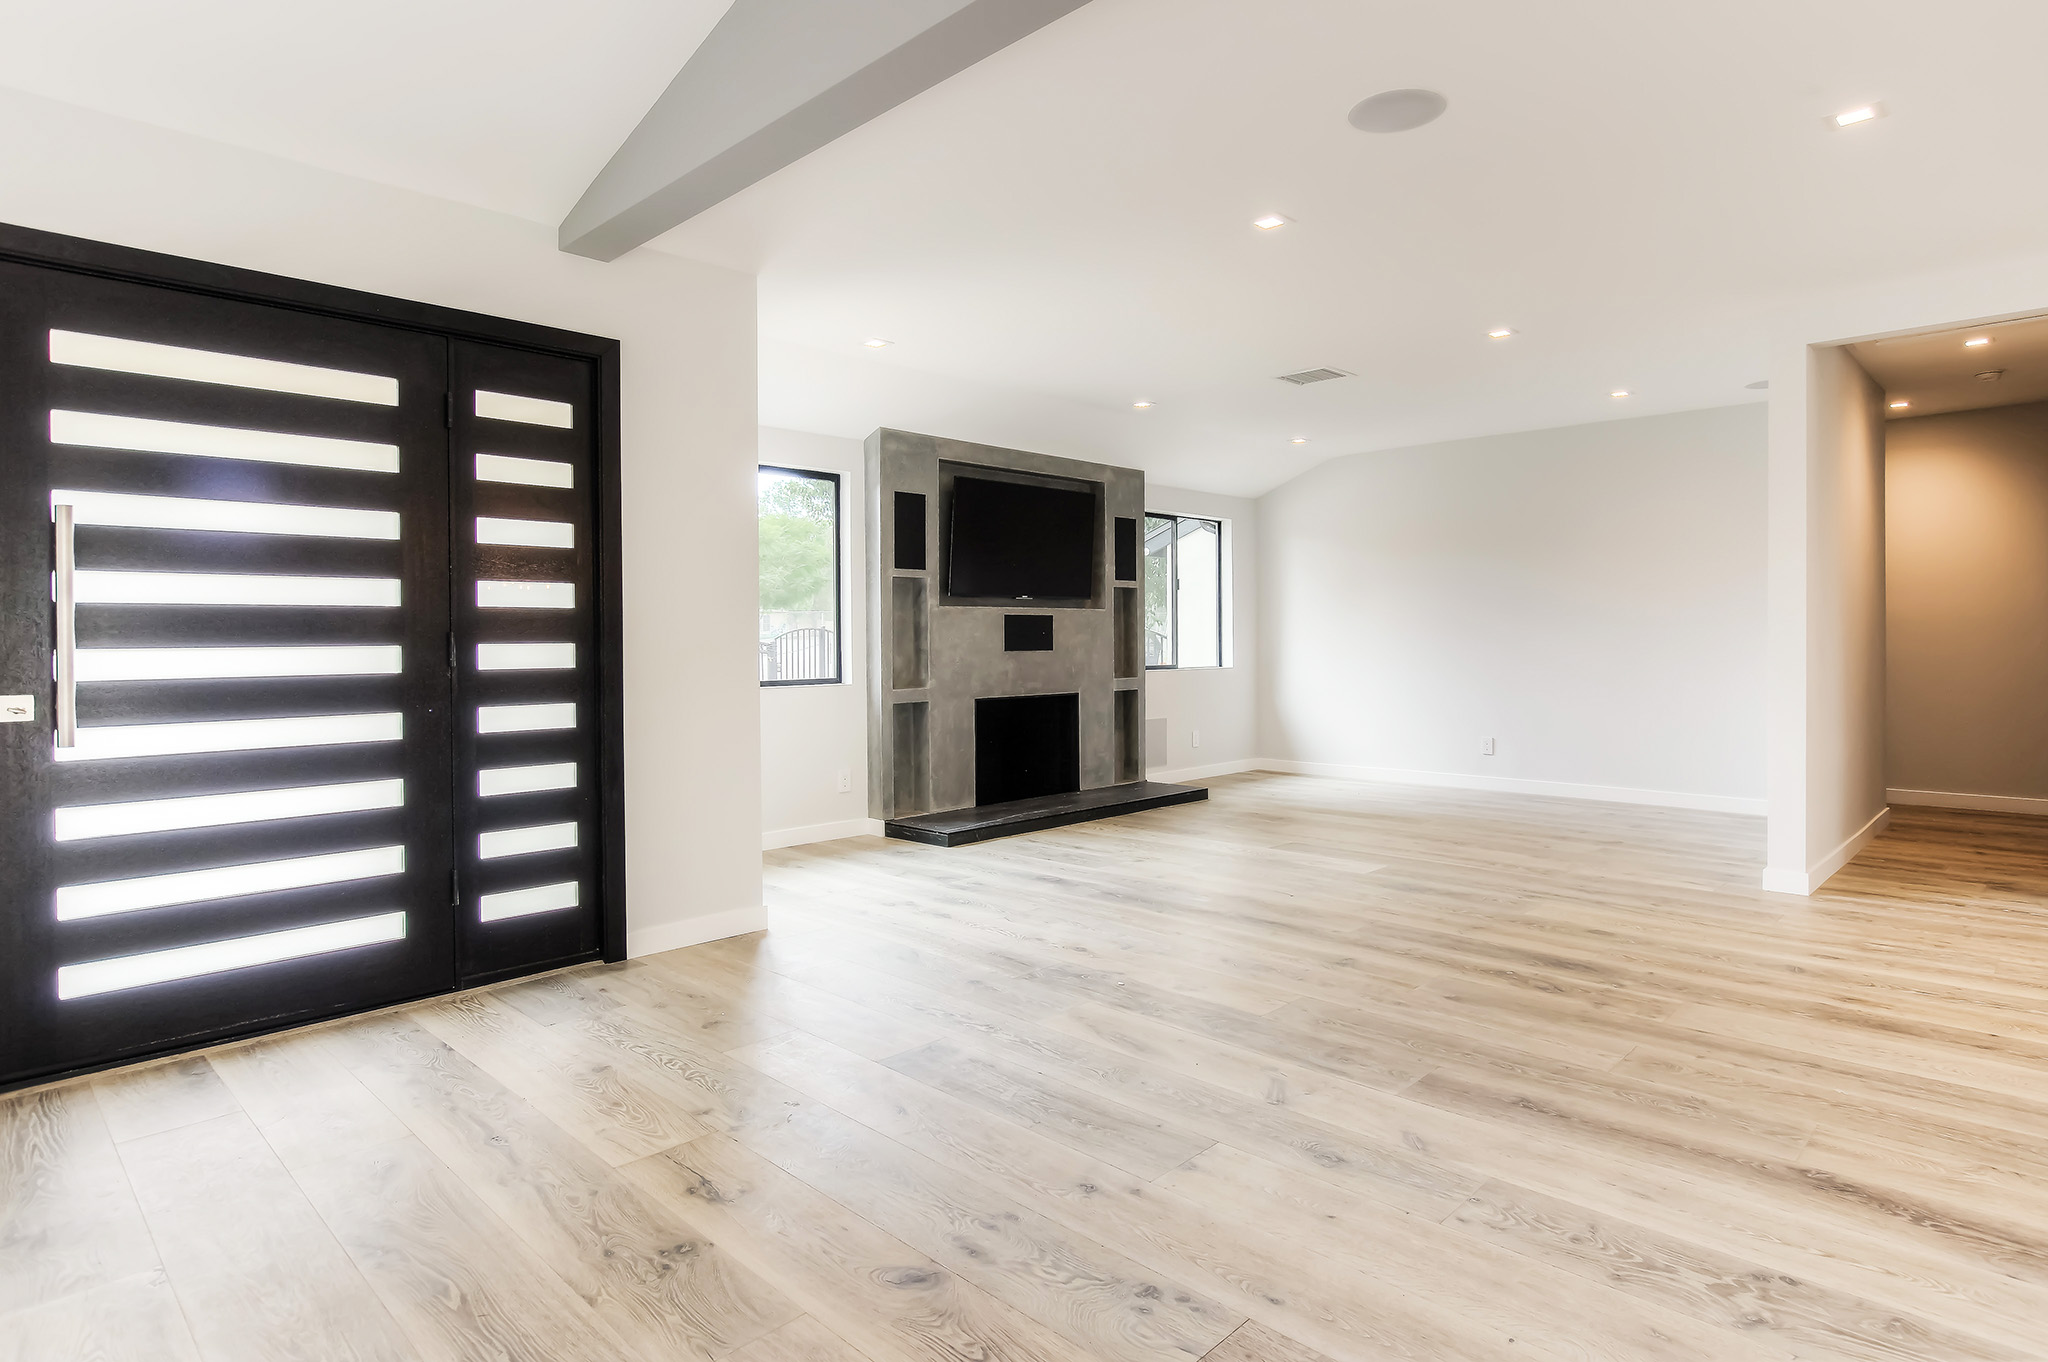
(1019, 541)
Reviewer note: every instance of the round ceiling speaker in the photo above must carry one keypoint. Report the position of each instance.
(1397, 110)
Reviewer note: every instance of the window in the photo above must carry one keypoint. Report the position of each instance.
(799, 577)
(1183, 591)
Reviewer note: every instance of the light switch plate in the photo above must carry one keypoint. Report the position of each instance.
(17, 709)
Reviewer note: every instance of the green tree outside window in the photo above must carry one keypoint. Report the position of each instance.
(799, 527)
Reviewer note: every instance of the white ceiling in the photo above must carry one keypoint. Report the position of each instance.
(1941, 371)
(1634, 187)
(1063, 229)
(506, 104)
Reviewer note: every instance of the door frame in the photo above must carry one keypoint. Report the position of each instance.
(51, 250)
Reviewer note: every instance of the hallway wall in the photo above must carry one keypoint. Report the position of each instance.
(1966, 572)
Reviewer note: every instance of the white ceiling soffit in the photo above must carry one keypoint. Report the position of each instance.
(776, 80)
(510, 105)
(1636, 190)
(1945, 371)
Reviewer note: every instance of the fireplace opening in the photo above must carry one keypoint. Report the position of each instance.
(1026, 746)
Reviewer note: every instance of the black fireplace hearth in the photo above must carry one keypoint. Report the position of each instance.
(958, 827)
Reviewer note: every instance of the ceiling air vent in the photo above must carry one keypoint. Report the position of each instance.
(1307, 376)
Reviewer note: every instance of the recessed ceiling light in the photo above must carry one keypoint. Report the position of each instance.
(1976, 341)
(1299, 440)
(1849, 118)
(1619, 392)
(1759, 385)
(1900, 406)
(1397, 110)
(1270, 221)
(1500, 333)
(1141, 405)
(876, 342)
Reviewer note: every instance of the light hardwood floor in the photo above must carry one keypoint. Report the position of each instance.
(1314, 1070)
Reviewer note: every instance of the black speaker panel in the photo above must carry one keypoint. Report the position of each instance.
(1027, 633)
(910, 531)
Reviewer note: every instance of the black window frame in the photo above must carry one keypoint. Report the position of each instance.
(1173, 589)
(838, 481)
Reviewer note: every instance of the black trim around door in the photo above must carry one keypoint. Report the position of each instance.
(27, 246)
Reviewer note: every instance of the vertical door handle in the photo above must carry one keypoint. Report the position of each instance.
(67, 627)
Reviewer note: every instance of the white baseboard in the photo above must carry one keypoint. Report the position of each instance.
(1782, 881)
(1221, 768)
(1611, 794)
(1945, 799)
(695, 931)
(821, 832)
(1778, 881)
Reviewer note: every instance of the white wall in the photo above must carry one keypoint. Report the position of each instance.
(1832, 498)
(1966, 609)
(1592, 598)
(687, 334)
(1217, 703)
(810, 735)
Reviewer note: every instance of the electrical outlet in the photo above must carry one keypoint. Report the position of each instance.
(1194, 737)
(1486, 747)
(845, 780)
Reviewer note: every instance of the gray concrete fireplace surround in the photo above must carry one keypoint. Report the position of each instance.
(933, 655)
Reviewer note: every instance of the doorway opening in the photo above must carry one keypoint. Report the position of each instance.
(1965, 565)
(1961, 415)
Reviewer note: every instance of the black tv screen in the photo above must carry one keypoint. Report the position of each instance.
(1014, 541)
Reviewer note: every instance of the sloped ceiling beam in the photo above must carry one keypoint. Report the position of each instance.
(776, 80)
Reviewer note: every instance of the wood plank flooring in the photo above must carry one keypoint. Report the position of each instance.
(1315, 1070)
